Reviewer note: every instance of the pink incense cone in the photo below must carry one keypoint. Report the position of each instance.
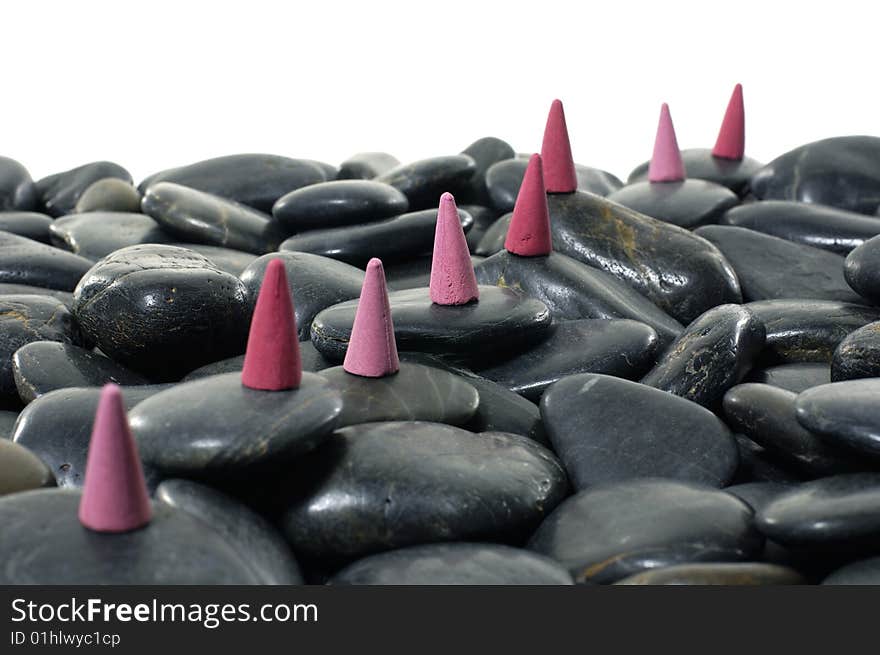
(559, 175)
(114, 497)
(272, 361)
(731, 143)
(666, 164)
(372, 350)
(529, 231)
(452, 274)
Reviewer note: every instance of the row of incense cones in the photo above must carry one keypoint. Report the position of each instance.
(115, 496)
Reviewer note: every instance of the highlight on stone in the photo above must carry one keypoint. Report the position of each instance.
(559, 171)
(731, 143)
(529, 231)
(372, 349)
(452, 273)
(114, 497)
(666, 163)
(272, 361)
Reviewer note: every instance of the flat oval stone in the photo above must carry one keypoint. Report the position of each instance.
(605, 429)
(618, 347)
(739, 574)
(392, 239)
(43, 366)
(24, 261)
(769, 267)
(31, 225)
(701, 164)
(338, 204)
(485, 152)
(758, 494)
(688, 203)
(493, 239)
(380, 486)
(109, 195)
(162, 311)
(7, 423)
(861, 572)
(501, 319)
(484, 218)
(258, 544)
(842, 172)
(24, 319)
(17, 189)
(366, 165)
(413, 273)
(766, 415)
(96, 234)
(792, 377)
(311, 360)
(808, 330)
(827, 228)
(857, 355)
(454, 564)
(60, 192)
(573, 291)
(175, 548)
(414, 393)
(840, 512)
(193, 215)
(681, 273)
(255, 180)
(315, 283)
(57, 427)
(424, 181)
(845, 413)
(227, 260)
(757, 464)
(862, 269)
(617, 530)
(713, 354)
(21, 470)
(215, 426)
(65, 297)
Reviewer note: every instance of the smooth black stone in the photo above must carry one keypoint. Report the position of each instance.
(25, 261)
(380, 486)
(24, 319)
(25, 289)
(392, 239)
(256, 180)
(57, 427)
(845, 413)
(174, 548)
(758, 494)
(500, 320)
(109, 194)
(861, 572)
(162, 310)
(742, 574)
(680, 272)
(857, 355)
(842, 172)
(821, 227)
(700, 164)
(766, 415)
(757, 464)
(312, 361)
(216, 427)
(96, 234)
(792, 377)
(59, 193)
(769, 267)
(485, 152)
(484, 218)
(808, 330)
(454, 564)
(414, 393)
(17, 189)
(200, 217)
(614, 531)
(31, 225)
(618, 347)
(227, 260)
(504, 178)
(840, 512)
(366, 165)
(338, 204)
(413, 273)
(494, 237)
(315, 283)
(714, 353)
(7, 423)
(21, 470)
(424, 181)
(257, 543)
(862, 269)
(574, 291)
(688, 203)
(605, 429)
(43, 366)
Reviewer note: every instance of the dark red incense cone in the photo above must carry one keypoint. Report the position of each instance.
(529, 231)
(731, 143)
(559, 174)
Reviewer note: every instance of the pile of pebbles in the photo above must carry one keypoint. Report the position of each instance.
(478, 368)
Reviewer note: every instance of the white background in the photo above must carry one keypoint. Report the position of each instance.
(157, 84)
